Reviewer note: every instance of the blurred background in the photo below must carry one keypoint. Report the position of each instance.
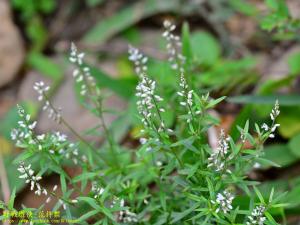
(246, 50)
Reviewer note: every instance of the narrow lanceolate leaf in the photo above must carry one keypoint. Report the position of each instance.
(122, 20)
(284, 100)
(179, 216)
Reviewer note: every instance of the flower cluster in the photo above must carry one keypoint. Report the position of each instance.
(138, 59)
(223, 202)
(69, 151)
(28, 175)
(125, 216)
(24, 133)
(274, 114)
(53, 190)
(219, 156)
(98, 191)
(187, 96)
(81, 73)
(42, 89)
(176, 59)
(148, 101)
(257, 216)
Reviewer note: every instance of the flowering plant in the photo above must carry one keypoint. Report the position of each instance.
(178, 175)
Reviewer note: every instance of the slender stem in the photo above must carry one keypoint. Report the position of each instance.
(74, 132)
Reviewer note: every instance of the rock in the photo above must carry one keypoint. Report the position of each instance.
(11, 46)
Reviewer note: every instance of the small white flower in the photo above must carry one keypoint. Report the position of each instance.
(257, 216)
(223, 202)
(81, 75)
(28, 175)
(143, 141)
(138, 59)
(175, 58)
(219, 156)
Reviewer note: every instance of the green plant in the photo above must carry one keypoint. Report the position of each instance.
(174, 177)
(279, 19)
(31, 14)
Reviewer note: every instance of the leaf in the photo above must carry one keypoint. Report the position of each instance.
(259, 195)
(84, 176)
(12, 199)
(93, 3)
(206, 48)
(186, 41)
(45, 66)
(123, 87)
(214, 102)
(178, 216)
(293, 62)
(289, 121)
(270, 86)
(127, 17)
(92, 202)
(284, 100)
(280, 154)
(87, 215)
(244, 7)
(63, 183)
(294, 145)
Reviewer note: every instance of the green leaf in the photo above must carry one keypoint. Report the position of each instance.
(93, 3)
(280, 154)
(186, 42)
(123, 87)
(87, 215)
(84, 176)
(293, 62)
(259, 195)
(294, 145)
(270, 86)
(206, 48)
(127, 17)
(92, 202)
(63, 183)
(289, 121)
(214, 102)
(284, 100)
(45, 66)
(244, 7)
(178, 216)
(12, 199)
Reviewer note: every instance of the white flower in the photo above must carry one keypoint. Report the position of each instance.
(257, 216)
(187, 97)
(265, 127)
(81, 74)
(148, 100)
(219, 156)
(274, 114)
(223, 202)
(41, 89)
(275, 111)
(98, 191)
(138, 59)
(28, 175)
(143, 141)
(176, 59)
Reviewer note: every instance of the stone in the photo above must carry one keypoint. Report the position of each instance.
(11, 46)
